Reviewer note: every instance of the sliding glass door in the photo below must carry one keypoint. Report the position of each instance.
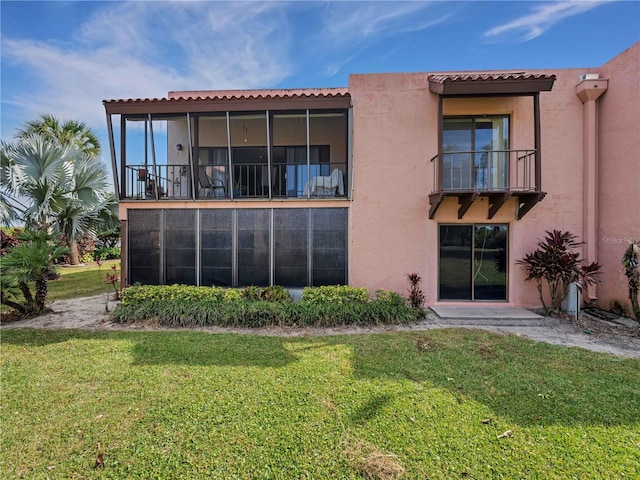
(473, 262)
(475, 153)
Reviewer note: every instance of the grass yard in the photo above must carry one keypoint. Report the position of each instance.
(83, 281)
(79, 404)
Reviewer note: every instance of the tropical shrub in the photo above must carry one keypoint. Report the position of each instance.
(274, 293)
(619, 308)
(113, 279)
(154, 293)
(106, 253)
(8, 239)
(87, 257)
(339, 294)
(631, 265)
(390, 297)
(179, 305)
(555, 264)
(31, 260)
(108, 238)
(416, 297)
(85, 247)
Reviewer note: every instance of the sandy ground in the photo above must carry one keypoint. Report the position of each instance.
(91, 313)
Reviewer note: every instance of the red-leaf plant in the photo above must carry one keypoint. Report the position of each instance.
(114, 279)
(555, 264)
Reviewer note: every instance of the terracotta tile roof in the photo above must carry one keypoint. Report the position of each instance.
(472, 77)
(490, 83)
(213, 95)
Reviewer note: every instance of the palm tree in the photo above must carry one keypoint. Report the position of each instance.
(61, 187)
(31, 261)
(69, 133)
(35, 171)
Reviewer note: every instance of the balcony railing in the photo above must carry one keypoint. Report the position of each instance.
(496, 174)
(161, 181)
(485, 171)
(248, 180)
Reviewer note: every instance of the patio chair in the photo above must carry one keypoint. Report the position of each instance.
(211, 188)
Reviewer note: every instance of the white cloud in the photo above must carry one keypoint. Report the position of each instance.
(543, 17)
(145, 49)
(347, 22)
(349, 28)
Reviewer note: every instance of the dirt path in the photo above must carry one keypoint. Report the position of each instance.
(90, 313)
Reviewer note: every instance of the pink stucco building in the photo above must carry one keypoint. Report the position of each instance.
(453, 175)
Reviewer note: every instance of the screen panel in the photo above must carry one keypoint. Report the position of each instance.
(216, 247)
(253, 246)
(329, 232)
(180, 246)
(143, 254)
(291, 233)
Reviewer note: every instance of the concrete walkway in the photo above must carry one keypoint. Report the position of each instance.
(92, 314)
(525, 323)
(487, 315)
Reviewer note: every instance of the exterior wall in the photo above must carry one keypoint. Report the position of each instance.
(395, 136)
(177, 133)
(619, 170)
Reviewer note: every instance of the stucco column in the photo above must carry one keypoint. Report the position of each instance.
(589, 90)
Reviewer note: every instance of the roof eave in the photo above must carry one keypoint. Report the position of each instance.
(527, 86)
(200, 105)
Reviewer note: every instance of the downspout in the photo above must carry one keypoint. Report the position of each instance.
(440, 161)
(589, 90)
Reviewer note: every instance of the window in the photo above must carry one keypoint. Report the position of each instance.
(475, 153)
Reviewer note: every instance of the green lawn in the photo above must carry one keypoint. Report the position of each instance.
(195, 405)
(82, 281)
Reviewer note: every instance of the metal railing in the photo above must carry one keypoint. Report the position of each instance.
(247, 180)
(485, 171)
(255, 180)
(163, 181)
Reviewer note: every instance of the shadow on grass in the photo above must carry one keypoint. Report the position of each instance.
(166, 348)
(531, 383)
(194, 348)
(39, 337)
(370, 408)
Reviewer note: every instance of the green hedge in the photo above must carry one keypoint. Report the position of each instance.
(104, 253)
(335, 294)
(179, 305)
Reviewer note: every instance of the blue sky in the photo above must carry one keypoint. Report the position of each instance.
(64, 58)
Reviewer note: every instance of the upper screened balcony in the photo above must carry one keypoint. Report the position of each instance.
(237, 145)
(475, 152)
